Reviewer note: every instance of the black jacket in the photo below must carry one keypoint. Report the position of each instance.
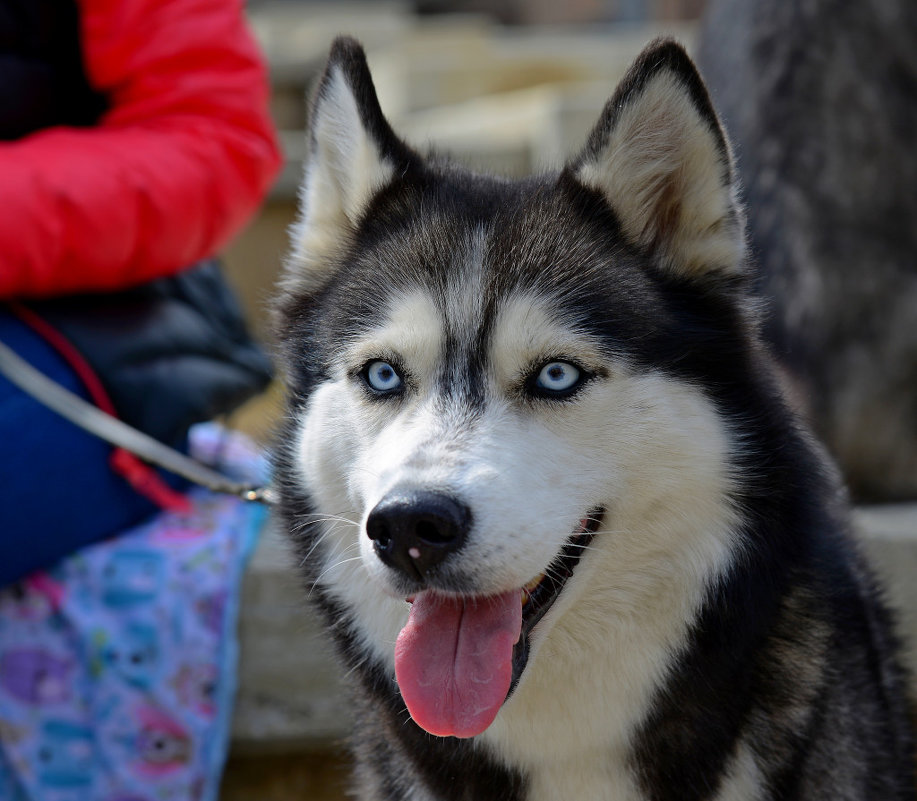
(42, 82)
(170, 353)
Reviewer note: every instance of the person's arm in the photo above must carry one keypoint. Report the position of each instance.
(178, 163)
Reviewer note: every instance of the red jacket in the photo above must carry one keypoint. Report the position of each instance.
(174, 168)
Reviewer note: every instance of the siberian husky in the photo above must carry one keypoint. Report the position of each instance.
(567, 536)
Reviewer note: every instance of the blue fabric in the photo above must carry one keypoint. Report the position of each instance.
(57, 491)
(118, 667)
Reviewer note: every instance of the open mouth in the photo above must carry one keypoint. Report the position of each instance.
(539, 595)
(458, 659)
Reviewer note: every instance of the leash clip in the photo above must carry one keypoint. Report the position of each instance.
(265, 495)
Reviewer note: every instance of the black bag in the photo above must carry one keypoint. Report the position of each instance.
(170, 353)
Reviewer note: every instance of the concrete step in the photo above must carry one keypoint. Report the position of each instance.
(290, 693)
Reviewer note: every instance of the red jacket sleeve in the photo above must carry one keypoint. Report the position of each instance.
(180, 161)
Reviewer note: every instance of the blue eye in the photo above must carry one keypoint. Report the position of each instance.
(382, 377)
(558, 378)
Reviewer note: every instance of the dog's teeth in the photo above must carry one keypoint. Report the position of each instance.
(525, 597)
(534, 582)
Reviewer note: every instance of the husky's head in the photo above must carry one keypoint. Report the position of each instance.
(506, 396)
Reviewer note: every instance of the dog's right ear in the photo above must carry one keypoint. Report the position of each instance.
(662, 161)
(353, 153)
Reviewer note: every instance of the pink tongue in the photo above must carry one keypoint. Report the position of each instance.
(454, 660)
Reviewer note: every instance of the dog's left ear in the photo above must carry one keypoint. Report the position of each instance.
(353, 154)
(659, 156)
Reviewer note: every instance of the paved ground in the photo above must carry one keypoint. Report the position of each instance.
(293, 777)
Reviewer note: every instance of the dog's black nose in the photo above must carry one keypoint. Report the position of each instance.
(414, 530)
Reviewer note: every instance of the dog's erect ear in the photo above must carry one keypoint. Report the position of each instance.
(353, 153)
(659, 156)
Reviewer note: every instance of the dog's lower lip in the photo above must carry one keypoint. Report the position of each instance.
(540, 594)
(541, 591)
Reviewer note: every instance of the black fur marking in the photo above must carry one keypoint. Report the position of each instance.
(347, 54)
(731, 670)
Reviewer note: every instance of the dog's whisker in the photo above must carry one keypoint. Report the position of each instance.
(314, 519)
(340, 563)
(346, 549)
(366, 470)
